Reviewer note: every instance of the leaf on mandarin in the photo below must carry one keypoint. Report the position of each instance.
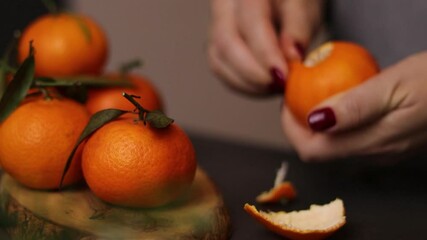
(126, 67)
(3, 76)
(96, 121)
(89, 81)
(158, 119)
(6, 66)
(18, 88)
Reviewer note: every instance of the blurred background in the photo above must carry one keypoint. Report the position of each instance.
(171, 38)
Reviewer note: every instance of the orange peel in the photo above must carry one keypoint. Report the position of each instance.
(281, 189)
(318, 222)
(284, 191)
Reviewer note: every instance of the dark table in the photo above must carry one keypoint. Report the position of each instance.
(381, 201)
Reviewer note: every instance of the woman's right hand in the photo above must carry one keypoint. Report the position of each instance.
(384, 118)
(251, 40)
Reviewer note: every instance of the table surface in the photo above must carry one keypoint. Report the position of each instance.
(382, 202)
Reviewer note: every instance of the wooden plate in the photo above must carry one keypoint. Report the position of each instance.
(78, 214)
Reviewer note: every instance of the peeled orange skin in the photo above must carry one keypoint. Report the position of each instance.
(111, 97)
(285, 190)
(36, 141)
(65, 45)
(289, 230)
(128, 164)
(330, 69)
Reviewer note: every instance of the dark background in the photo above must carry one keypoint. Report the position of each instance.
(17, 14)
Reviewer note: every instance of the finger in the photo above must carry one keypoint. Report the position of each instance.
(399, 130)
(225, 71)
(358, 106)
(315, 146)
(227, 46)
(386, 138)
(257, 29)
(231, 51)
(300, 21)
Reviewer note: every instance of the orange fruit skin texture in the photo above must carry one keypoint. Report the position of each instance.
(37, 138)
(65, 45)
(111, 97)
(347, 66)
(132, 165)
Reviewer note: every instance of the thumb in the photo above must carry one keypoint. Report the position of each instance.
(358, 106)
(299, 20)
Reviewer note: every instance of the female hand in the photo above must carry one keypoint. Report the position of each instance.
(250, 40)
(385, 116)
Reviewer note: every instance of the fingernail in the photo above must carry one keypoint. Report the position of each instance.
(278, 84)
(322, 119)
(301, 49)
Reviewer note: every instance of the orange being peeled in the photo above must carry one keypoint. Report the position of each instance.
(330, 69)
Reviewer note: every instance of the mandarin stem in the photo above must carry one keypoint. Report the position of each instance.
(45, 93)
(131, 99)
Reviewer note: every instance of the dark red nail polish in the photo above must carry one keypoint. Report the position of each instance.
(321, 119)
(301, 49)
(278, 84)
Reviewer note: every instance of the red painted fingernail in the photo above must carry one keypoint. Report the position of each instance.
(301, 49)
(278, 84)
(322, 119)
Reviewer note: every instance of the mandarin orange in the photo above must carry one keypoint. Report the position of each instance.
(37, 138)
(66, 45)
(130, 164)
(330, 69)
(111, 97)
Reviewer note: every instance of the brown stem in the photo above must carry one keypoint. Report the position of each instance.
(45, 93)
(140, 110)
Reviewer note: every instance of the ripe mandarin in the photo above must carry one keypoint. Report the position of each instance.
(130, 164)
(332, 68)
(66, 45)
(111, 97)
(37, 138)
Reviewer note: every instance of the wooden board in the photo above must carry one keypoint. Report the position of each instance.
(78, 214)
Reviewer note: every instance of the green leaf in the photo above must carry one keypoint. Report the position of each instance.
(18, 87)
(90, 81)
(125, 68)
(158, 119)
(5, 65)
(98, 120)
(76, 92)
(3, 76)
